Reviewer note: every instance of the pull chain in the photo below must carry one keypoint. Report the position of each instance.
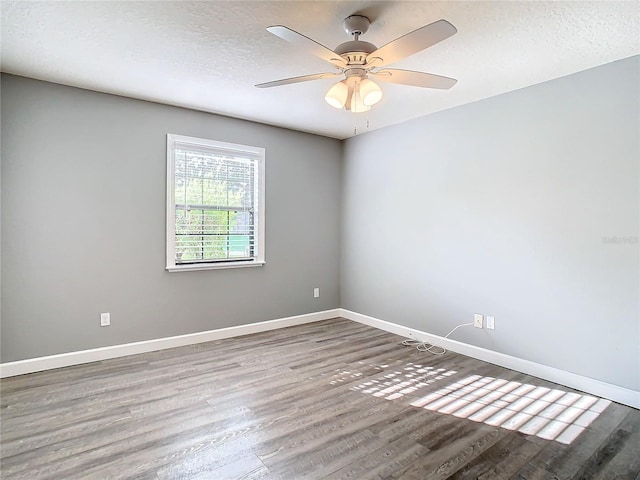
(355, 126)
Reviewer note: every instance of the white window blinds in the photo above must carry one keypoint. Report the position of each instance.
(215, 215)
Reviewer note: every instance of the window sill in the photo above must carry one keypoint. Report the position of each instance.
(214, 266)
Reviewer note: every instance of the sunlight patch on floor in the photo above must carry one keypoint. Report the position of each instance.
(548, 413)
(394, 383)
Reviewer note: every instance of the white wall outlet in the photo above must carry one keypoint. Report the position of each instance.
(105, 319)
(477, 320)
(491, 322)
(316, 292)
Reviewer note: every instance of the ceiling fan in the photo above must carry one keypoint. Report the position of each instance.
(360, 61)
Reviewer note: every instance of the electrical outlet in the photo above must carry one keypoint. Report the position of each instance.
(477, 320)
(105, 319)
(316, 292)
(491, 322)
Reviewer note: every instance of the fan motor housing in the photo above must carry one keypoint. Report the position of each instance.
(355, 52)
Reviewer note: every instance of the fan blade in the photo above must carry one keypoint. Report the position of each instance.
(304, 78)
(417, 79)
(311, 46)
(413, 42)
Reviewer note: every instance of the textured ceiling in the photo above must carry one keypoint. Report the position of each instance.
(209, 55)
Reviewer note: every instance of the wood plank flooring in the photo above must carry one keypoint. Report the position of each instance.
(326, 400)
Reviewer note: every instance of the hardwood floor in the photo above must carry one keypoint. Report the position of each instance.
(332, 399)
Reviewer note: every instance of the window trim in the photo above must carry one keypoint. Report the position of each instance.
(256, 152)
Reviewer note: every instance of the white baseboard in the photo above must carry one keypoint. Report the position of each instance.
(618, 394)
(595, 387)
(31, 365)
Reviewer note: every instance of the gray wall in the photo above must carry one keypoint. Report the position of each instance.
(83, 223)
(523, 206)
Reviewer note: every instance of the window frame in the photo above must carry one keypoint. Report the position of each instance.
(255, 153)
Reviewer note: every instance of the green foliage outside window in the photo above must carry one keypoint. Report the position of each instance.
(214, 207)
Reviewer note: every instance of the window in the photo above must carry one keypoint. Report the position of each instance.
(215, 204)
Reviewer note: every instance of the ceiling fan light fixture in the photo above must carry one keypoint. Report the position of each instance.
(370, 92)
(357, 105)
(337, 95)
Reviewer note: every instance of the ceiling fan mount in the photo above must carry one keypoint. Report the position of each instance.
(358, 60)
(356, 24)
(355, 51)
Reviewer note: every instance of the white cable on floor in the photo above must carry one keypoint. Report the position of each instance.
(427, 347)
